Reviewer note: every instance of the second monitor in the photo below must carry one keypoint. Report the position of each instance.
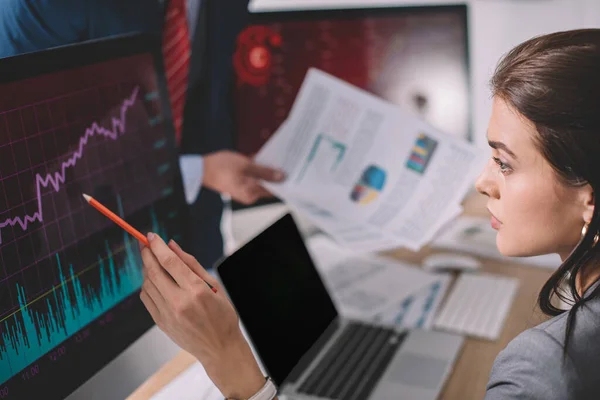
(416, 57)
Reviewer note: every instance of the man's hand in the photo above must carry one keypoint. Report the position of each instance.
(237, 175)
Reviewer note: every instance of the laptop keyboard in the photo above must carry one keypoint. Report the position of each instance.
(353, 365)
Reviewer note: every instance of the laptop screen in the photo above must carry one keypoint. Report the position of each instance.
(279, 296)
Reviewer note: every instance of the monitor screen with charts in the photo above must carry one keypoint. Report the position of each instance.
(416, 57)
(87, 118)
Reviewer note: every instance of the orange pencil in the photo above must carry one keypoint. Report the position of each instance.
(119, 221)
(116, 219)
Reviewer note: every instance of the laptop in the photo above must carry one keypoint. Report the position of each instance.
(307, 347)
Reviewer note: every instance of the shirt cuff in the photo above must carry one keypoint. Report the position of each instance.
(192, 170)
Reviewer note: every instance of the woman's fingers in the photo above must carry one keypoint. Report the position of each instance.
(159, 277)
(150, 288)
(150, 306)
(192, 263)
(171, 263)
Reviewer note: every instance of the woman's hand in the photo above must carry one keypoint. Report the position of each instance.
(202, 322)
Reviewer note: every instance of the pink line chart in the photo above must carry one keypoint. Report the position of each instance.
(57, 178)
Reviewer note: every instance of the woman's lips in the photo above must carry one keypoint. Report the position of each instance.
(495, 222)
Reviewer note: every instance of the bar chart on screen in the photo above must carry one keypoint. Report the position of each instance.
(68, 276)
(70, 306)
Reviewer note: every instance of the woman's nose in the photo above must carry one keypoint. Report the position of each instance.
(485, 183)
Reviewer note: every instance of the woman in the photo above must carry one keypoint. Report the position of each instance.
(541, 182)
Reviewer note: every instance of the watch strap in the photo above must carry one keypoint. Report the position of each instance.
(267, 392)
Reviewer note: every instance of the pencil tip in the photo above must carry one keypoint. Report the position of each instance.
(86, 197)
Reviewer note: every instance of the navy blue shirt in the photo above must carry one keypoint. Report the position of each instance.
(30, 25)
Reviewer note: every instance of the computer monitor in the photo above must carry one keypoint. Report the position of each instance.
(88, 118)
(416, 57)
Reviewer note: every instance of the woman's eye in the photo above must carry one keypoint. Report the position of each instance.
(504, 168)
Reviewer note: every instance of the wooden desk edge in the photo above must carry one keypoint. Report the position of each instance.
(182, 361)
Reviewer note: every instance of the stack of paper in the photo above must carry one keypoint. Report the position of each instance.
(366, 172)
(376, 288)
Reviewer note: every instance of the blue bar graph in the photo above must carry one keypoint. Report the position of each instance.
(27, 334)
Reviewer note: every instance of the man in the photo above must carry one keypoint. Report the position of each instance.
(206, 133)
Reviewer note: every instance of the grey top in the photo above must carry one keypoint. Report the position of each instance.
(531, 367)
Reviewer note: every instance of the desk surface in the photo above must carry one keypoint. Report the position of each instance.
(471, 372)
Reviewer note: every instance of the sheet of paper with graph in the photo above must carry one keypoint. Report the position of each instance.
(365, 171)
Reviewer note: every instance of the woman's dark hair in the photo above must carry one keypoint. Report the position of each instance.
(554, 81)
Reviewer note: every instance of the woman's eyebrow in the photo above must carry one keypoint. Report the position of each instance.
(501, 146)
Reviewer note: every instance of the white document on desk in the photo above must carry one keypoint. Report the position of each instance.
(366, 172)
(377, 288)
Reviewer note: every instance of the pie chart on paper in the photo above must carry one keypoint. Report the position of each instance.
(370, 184)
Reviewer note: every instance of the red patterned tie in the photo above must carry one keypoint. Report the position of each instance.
(176, 52)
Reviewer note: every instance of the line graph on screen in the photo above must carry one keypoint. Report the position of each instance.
(57, 178)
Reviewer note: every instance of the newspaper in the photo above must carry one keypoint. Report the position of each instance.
(366, 172)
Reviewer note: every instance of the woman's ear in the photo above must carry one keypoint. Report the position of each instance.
(588, 203)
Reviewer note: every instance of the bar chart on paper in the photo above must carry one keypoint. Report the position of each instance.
(66, 272)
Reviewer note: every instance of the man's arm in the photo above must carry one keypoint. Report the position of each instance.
(31, 25)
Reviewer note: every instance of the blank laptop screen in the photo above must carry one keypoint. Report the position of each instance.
(279, 296)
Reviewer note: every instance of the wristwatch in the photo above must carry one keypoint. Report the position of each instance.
(267, 392)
